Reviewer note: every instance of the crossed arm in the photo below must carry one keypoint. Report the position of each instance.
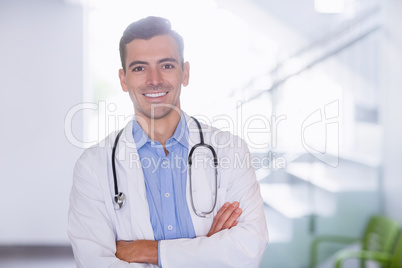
(146, 251)
(93, 237)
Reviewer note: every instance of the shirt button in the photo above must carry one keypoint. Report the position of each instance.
(152, 143)
(164, 162)
(170, 227)
(167, 195)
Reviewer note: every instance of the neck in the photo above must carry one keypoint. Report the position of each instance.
(160, 129)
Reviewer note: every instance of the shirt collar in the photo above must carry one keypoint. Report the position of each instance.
(180, 135)
(140, 137)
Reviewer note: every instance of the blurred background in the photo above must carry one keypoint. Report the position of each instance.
(313, 86)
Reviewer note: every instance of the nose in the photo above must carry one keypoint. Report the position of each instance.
(154, 77)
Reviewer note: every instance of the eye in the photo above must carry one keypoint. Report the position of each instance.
(138, 69)
(168, 66)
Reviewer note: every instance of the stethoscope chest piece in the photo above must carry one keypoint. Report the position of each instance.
(119, 200)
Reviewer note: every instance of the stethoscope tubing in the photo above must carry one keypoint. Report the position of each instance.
(190, 161)
(119, 198)
(116, 190)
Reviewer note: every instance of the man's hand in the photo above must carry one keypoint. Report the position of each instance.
(146, 251)
(226, 218)
(140, 251)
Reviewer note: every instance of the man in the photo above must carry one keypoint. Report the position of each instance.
(160, 222)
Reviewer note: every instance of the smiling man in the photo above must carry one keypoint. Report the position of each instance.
(154, 74)
(174, 214)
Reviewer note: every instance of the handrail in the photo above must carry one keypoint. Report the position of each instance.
(325, 39)
(348, 27)
(314, 62)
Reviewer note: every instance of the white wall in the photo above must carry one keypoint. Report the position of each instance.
(40, 80)
(392, 108)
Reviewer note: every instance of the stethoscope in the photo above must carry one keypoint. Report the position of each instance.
(120, 198)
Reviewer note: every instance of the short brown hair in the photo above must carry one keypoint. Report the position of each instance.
(146, 29)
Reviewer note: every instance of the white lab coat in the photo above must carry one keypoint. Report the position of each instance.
(94, 225)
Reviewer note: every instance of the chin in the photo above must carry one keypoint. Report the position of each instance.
(162, 113)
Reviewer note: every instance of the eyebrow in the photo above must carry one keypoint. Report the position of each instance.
(137, 62)
(167, 60)
(146, 63)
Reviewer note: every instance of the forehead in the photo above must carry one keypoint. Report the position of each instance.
(158, 47)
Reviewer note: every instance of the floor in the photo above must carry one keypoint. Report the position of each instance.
(62, 257)
(36, 257)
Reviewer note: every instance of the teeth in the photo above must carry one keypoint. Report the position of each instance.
(155, 95)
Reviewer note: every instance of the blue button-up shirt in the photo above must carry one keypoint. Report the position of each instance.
(165, 181)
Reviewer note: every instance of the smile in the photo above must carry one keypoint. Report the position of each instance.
(155, 95)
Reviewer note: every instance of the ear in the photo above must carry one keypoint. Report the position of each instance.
(186, 73)
(122, 77)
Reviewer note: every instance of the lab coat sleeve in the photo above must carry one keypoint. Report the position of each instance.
(240, 246)
(89, 225)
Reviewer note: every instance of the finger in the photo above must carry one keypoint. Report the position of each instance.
(218, 215)
(222, 210)
(234, 224)
(226, 215)
(232, 218)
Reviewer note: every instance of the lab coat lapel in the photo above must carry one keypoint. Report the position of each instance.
(132, 176)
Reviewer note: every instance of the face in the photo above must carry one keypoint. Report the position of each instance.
(154, 76)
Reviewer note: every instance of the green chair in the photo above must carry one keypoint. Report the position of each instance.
(388, 260)
(379, 236)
